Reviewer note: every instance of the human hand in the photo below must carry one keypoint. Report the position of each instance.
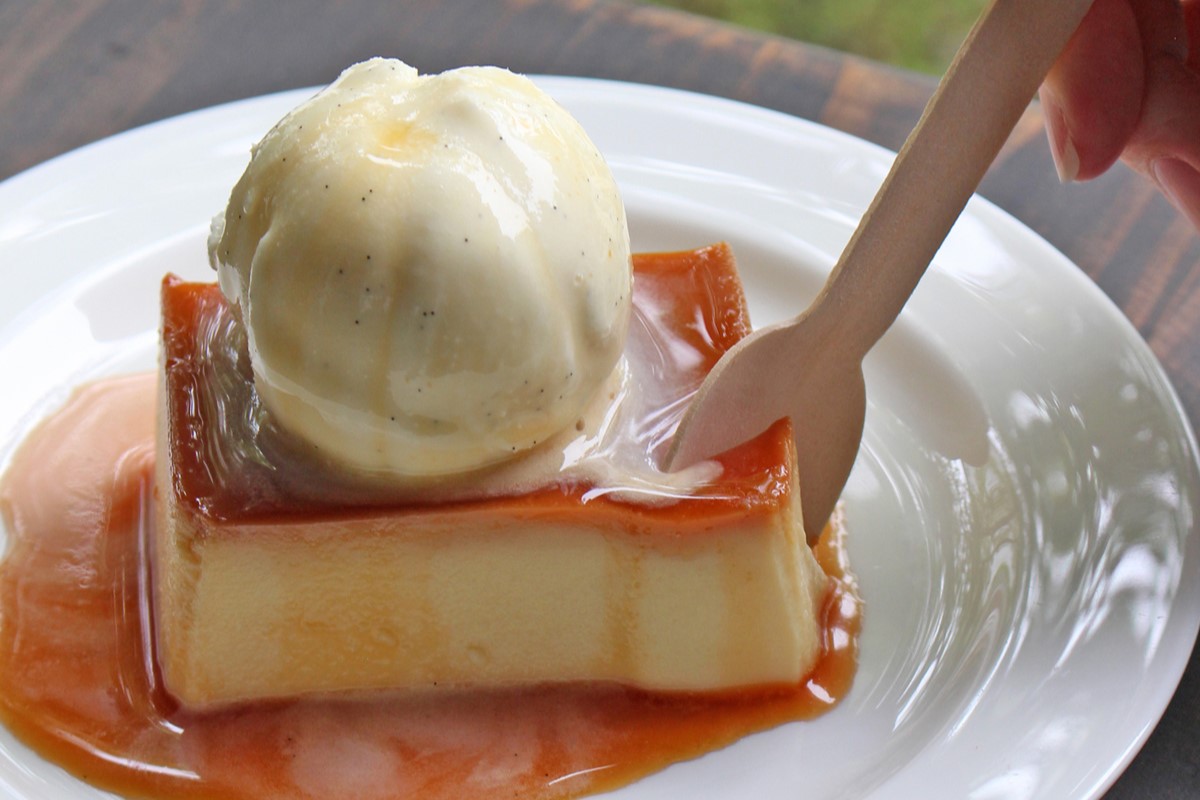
(1128, 86)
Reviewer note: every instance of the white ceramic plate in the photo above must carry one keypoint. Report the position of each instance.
(1021, 513)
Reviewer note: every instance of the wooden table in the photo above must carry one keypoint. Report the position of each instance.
(74, 71)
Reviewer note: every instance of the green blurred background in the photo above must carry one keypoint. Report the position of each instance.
(920, 35)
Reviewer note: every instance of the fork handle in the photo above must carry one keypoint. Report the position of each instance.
(990, 83)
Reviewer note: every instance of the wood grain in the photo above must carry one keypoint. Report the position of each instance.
(74, 71)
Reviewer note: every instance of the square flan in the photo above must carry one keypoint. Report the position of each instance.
(274, 577)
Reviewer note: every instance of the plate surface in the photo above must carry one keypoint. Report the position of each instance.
(1021, 512)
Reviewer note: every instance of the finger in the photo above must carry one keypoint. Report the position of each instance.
(1191, 26)
(1166, 144)
(1093, 95)
(1161, 26)
(1180, 182)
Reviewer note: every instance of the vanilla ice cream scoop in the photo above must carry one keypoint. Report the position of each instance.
(433, 271)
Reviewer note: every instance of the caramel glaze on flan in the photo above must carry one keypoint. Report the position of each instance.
(266, 586)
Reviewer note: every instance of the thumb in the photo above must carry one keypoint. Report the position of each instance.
(1092, 96)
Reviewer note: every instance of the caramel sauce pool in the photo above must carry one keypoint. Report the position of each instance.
(78, 682)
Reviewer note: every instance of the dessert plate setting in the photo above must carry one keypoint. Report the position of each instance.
(1020, 515)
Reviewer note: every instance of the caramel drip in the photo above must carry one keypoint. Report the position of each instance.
(77, 681)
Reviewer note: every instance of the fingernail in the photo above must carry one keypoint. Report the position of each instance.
(1062, 149)
(1180, 182)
